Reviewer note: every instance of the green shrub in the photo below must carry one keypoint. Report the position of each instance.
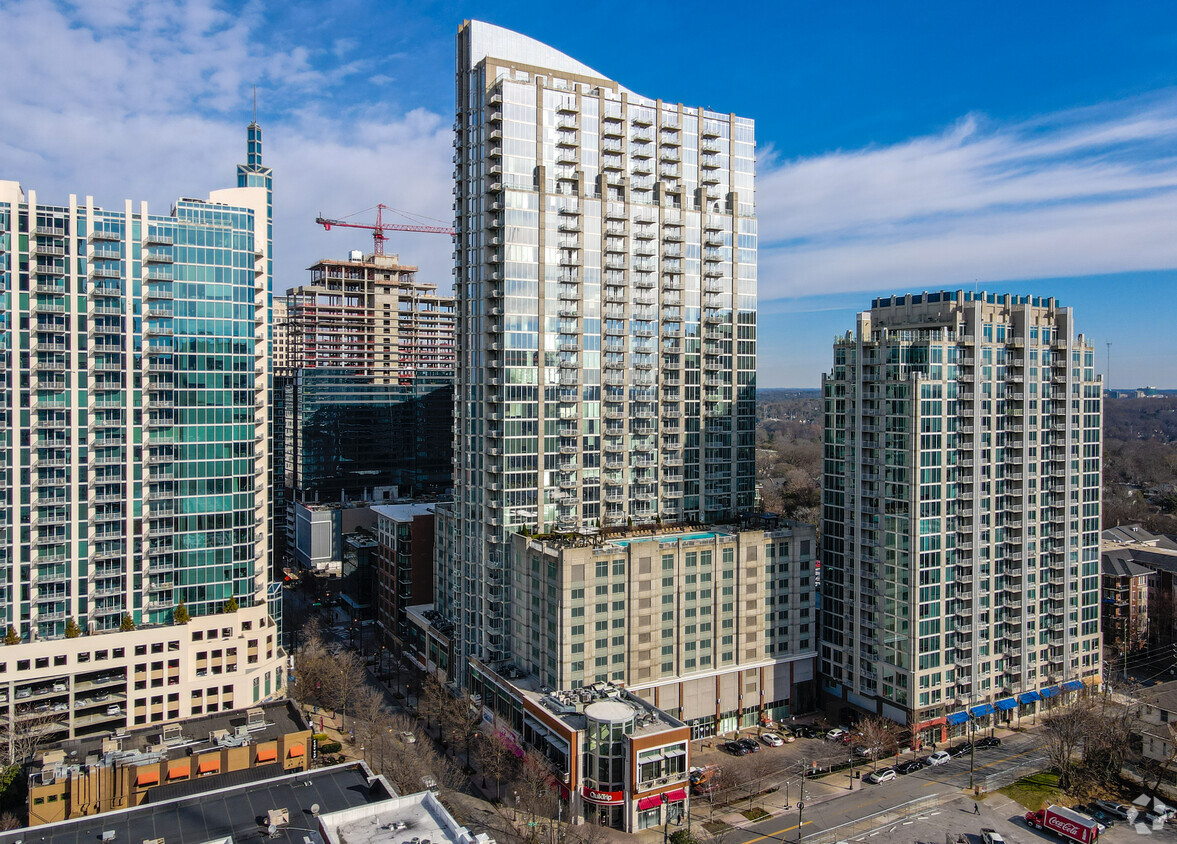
(321, 737)
(330, 747)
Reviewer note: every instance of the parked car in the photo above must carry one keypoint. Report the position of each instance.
(60, 706)
(909, 766)
(735, 748)
(991, 836)
(1113, 809)
(750, 744)
(882, 775)
(836, 734)
(940, 757)
(960, 749)
(114, 709)
(101, 696)
(23, 693)
(805, 731)
(60, 686)
(987, 742)
(772, 739)
(408, 737)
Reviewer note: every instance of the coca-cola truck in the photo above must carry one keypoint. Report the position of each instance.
(1065, 823)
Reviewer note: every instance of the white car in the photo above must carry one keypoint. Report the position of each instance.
(1116, 810)
(772, 739)
(940, 757)
(991, 836)
(835, 734)
(885, 775)
(408, 738)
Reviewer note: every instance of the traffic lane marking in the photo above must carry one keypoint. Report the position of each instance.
(778, 832)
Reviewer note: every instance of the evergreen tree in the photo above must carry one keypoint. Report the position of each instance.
(180, 614)
(72, 631)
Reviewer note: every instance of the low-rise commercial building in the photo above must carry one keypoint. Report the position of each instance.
(100, 774)
(342, 803)
(1157, 552)
(620, 762)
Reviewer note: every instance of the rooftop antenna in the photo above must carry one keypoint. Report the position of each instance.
(255, 104)
(1109, 387)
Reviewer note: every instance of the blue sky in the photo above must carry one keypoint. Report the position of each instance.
(1014, 147)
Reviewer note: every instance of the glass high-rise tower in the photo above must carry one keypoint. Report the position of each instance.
(134, 382)
(961, 511)
(605, 288)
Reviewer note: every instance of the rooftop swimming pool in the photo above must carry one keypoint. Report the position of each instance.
(673, 537)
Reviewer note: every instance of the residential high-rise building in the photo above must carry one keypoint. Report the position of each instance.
(601, 533)
(134, 384)
(606, 293)
(961, 511)
(370, 316)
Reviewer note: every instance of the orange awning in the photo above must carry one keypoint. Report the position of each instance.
(207, 766)
(179, 771)
(267, 754)
(297, 750)
(143, 778)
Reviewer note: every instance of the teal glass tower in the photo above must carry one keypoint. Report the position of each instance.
(135, 389)
(135, 452)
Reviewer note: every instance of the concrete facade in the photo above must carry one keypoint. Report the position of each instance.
(961, 510)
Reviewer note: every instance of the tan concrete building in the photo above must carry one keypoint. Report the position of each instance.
(117, 771)
(95, 684)
(715, 626)
(369, 315)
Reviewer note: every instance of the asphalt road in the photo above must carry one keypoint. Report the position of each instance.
(831, 802)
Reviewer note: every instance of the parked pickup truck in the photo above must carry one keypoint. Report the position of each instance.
(1065, 823)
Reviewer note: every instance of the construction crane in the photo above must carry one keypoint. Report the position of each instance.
(378, 230)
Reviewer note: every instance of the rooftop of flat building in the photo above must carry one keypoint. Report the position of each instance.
(677, 532)
(601, 701)
(177, 740)
(405, 512)
(413, 817)
(234, 813)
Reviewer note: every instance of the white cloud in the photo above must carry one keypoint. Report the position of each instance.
(1077, 193)
(149, 100)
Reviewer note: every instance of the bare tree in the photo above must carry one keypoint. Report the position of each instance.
(495, 760)
(536, 786)
(432, 701)
(408, 763)
(879, 737)
(1062, 734)
(21, 737)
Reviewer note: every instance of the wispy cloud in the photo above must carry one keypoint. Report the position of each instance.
(149, 100)
(1081, 192)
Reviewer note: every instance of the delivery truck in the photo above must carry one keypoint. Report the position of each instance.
(1065, 823)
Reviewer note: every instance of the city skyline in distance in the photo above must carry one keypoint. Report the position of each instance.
(1022, 152)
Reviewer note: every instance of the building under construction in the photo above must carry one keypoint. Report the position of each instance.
(368, 315)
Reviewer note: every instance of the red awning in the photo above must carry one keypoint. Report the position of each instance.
(267, 754)
(297, 750)
(207, 766)
(676, 795)
(650, 802)
(143, 778)
(179, 771)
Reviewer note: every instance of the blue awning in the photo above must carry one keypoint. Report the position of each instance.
(982, 710)
(1050, 691)
(1007, 704)
(957, 718)
(1029, 697)
(1072, 685)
